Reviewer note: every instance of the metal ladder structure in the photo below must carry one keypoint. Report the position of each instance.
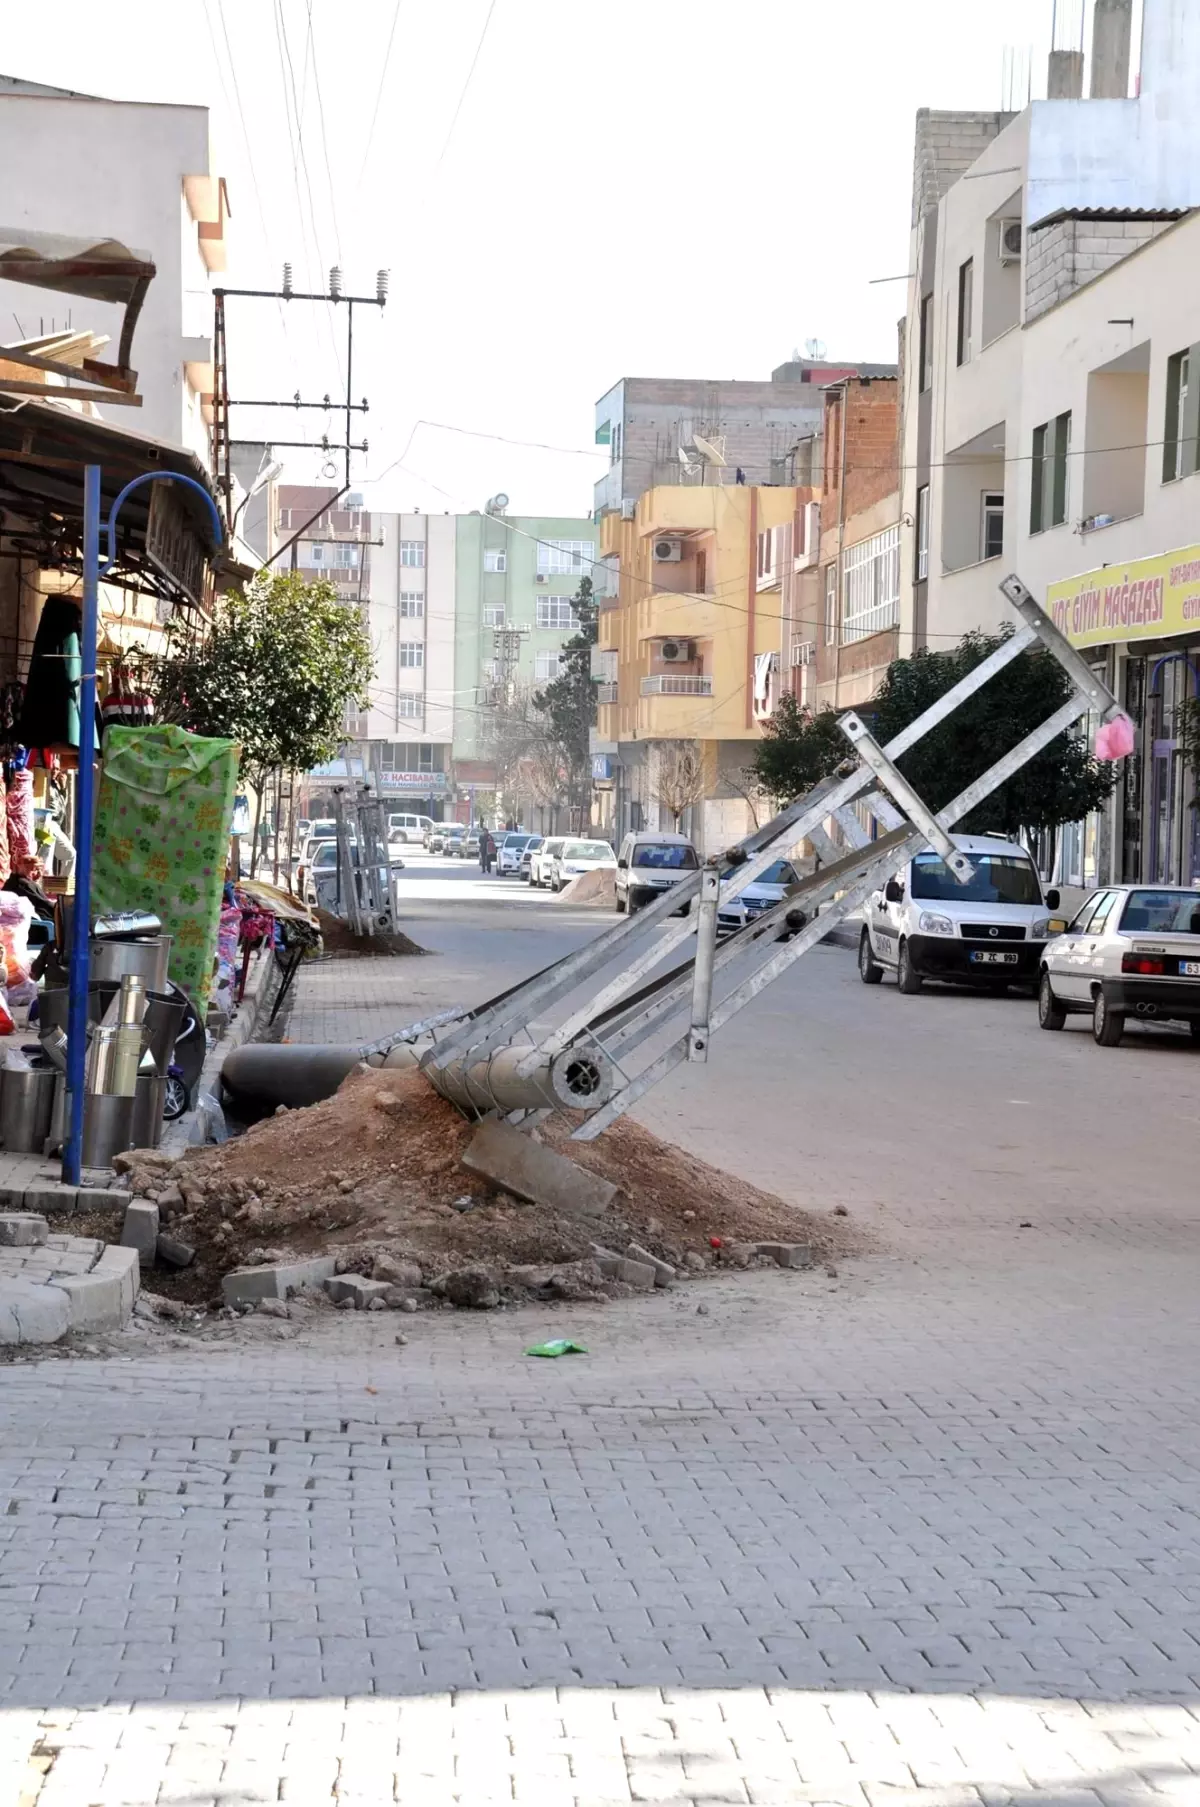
(502, 1059)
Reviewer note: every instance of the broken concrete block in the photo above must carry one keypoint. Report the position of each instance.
(104, 1298)
(786, 1254)
(273, 1308)
(635, 1273)
(22, 1229)
(30, 1313)
(50, 1198)
(140, 1229)
(517, 1164)
(395, 1272)
(173, 1252)
(101, 1198)
(473, 1288)
(664, 1273)
(247, 1285)
(356, 1288)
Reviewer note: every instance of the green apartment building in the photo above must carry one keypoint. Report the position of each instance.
(515, 576)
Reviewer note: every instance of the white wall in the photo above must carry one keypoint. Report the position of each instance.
(434, 682)
(115, 169)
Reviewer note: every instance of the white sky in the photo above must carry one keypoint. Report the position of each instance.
(632, 188)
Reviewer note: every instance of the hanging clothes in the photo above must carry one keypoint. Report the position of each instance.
(22, 841)
(161, 839)
(50, 712)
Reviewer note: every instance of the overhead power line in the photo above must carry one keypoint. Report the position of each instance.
(463, 93)
(387, 57)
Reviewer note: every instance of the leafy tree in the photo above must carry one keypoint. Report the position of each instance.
(282, 663)
(568, 706)
(1063, 784)
(797, 750)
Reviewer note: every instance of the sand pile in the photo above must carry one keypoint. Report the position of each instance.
(374, 1172)
(339, 940)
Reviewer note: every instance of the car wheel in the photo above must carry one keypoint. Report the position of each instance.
(1108, 1025)
(908, 981)
(869, 969)
(620, 901)
(1051, 1014)
(556, 885)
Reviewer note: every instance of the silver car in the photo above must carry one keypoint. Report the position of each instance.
(1132, 951)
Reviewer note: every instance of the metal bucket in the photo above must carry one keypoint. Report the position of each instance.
(26, 1102)
(111, 960)
(147, 1125)
(107, 1128)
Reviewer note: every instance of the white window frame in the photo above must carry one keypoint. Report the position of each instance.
(315, 552)
(923, 507)
(410, 706)
(831, 602)
(493, 614)
(768, 552)
(547, 666)
(562, 558)
(495, 558)
(412, 554)
(554, 616)
(991, 504)
(412, 605)
(871, 574)
(412, 655)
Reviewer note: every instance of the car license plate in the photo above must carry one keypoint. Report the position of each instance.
(1189, 969)
(988, 958)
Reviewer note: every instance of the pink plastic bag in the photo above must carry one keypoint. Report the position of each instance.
(1114, 739)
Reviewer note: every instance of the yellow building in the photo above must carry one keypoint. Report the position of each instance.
(690, 632)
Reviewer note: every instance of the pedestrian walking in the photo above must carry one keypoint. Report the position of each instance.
(487, 850)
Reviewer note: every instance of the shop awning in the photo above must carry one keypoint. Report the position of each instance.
(102, 269)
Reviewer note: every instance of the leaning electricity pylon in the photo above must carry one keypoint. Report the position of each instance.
(504, 1057)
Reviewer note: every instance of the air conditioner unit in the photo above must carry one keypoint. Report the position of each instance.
(668, 552)
(1010, 242)
(543, 577)
(676, 652)
(628, 507)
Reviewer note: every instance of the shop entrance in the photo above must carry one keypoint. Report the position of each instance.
(1173, 826)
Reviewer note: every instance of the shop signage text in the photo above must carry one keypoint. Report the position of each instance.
(1150, 599)
(422, 784)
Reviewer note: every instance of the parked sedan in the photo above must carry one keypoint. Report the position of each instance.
(525, 869)
(452, 835)
(1133, 950)
(464, 846)
(575, 857)
(510, 847)
(542, 863)
(769, 888)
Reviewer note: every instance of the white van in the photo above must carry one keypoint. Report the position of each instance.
(990, 933)
(406, 827)
(650, 863)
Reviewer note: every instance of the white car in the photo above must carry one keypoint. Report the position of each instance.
(769, 888)
(574, 857)
(542, 864)
(1132, 951)
(650, 863)
(405, 827)
(508, 858)
(990, 932)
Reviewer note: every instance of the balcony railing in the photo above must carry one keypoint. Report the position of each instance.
(681, 686)
(606, 693)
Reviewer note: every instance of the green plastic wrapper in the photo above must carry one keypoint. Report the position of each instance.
(559, 1345)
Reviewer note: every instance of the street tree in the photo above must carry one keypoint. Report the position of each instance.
(281, 665)
(796, 751)
(568, 709)
(1062, 784)
(677, 777)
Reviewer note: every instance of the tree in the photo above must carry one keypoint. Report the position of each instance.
(568, 706)
(678, 775)
(797, 750)
(282, 663)
(1062, 784)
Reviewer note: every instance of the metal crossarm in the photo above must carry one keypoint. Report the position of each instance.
(577, 1060)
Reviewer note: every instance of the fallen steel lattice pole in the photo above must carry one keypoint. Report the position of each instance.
(481, 1067)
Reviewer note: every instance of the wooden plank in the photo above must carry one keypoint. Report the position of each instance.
(9, 386)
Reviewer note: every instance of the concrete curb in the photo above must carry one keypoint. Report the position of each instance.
(104, 1299)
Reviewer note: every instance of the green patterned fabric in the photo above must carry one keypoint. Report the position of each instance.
(162, 835)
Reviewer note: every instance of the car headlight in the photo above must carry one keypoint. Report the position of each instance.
(1040, 929)
(930, 924)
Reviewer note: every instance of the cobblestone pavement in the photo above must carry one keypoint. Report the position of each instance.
(925, 1530)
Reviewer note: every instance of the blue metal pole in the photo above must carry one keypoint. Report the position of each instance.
(77, 998)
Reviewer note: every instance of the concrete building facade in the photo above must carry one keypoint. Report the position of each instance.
(1052, 417)
(858, 588)
(141, 173)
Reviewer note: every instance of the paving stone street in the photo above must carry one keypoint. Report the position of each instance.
(923, 1529)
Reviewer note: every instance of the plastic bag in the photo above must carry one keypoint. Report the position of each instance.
(559, 1345)
(1115, 739)
(7, 1025)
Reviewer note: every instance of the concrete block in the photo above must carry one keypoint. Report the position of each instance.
(30, 1313)
(173, 1252)
(50, 1198)
(101, 1198)
(355, 1287)
(528, 1169)
(636, 1273)
(140, 1229)
(786, 1254)
(664, 1273)
(247, 1285)
(103, 1299)
(22, 1230)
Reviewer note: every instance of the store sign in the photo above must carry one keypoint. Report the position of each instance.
(601, 767)
(338, 768)
(421, 784)
(172, 544)
(1148, 599)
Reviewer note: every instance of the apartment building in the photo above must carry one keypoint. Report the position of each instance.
(399, 569)
(1051, 406)
(853, 611)
(141, 173)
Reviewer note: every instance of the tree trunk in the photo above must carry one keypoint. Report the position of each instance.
(255, 842)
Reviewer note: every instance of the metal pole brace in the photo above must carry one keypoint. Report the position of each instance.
(902, 792)
(702, 968)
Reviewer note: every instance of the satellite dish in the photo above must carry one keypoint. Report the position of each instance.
(685, 460)
(707, 451)
(814, 348)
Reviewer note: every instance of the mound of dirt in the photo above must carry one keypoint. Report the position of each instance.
(375, 1169)
(340, 940)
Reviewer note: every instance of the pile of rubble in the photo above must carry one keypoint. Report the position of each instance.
(383, 1196)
